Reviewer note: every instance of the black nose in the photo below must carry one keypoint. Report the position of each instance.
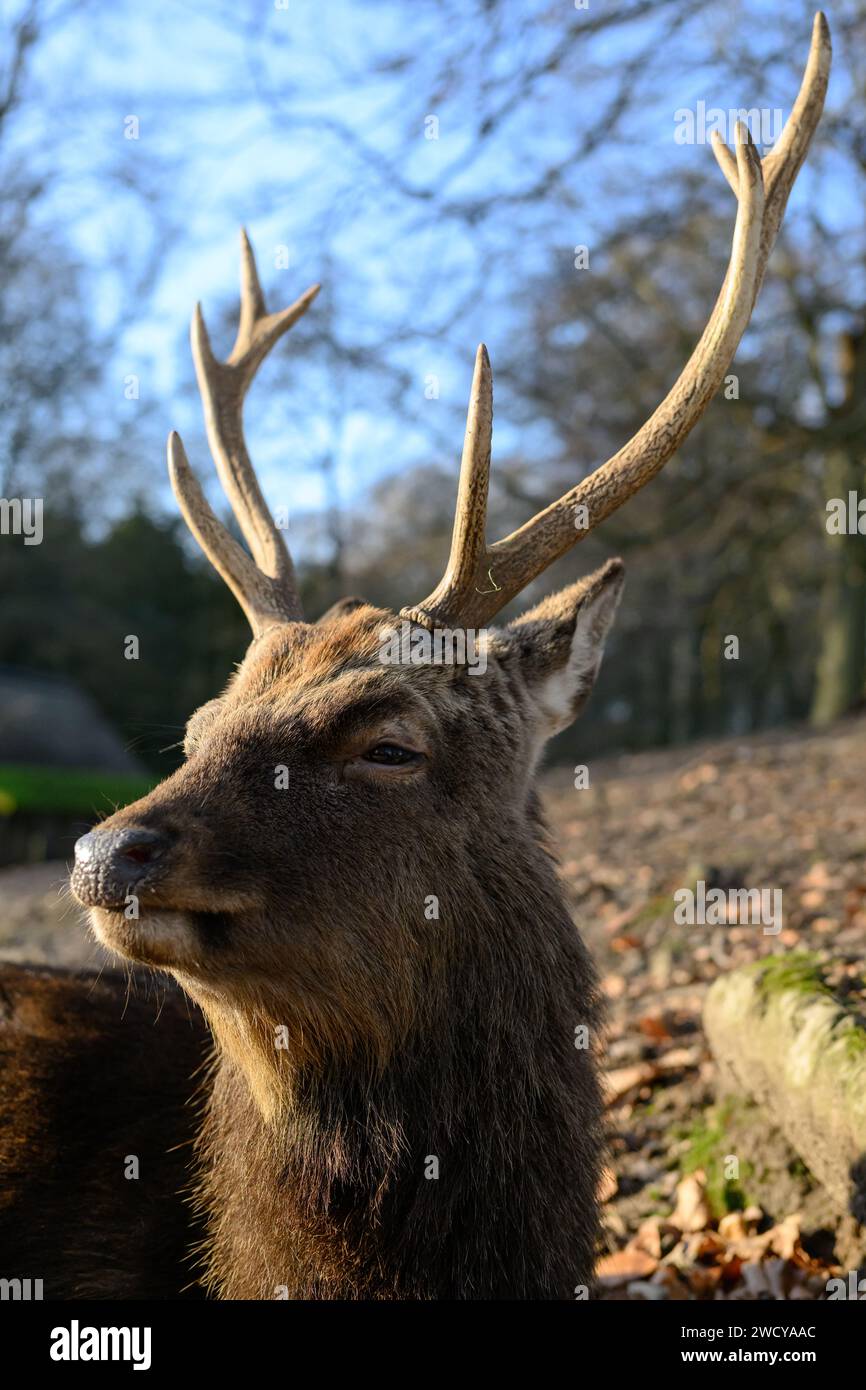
(109, 864)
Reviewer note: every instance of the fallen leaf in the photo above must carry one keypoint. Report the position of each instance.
(785, 1238)
(731, 1271)
(733, 1226)
(624, 1265)
(649, 1237)
(692, 1212)
(624, 943)
(679, 1058)
(704, 1280)
(619, 1082)
(653, 1026)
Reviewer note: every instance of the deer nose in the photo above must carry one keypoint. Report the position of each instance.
(110, 863)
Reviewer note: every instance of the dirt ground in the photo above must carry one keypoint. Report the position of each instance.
(784, 811)
(777, 811)
(40, 923)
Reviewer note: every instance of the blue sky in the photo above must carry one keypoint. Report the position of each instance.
(219, 90)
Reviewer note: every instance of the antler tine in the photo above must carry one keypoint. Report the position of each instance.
(257, 329)
(468, 543)
(223, 386)
(252, 299)
(495, 574)
(253, 590)
(782, 165)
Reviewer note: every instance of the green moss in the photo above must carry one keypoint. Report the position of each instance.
(709, 1144)
(798, 1169)
(799, 972)
(853, 1041)
(803, 973)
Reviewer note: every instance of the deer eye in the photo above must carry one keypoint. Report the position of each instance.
(390, 755)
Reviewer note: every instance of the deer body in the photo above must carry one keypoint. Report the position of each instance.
(97, 1071)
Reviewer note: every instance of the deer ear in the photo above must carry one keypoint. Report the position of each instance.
(561, 642)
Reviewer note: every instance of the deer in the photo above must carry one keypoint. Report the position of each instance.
(99, 1076)
(351, 878)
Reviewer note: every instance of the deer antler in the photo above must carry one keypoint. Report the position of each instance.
(481, 579)
(265, 585)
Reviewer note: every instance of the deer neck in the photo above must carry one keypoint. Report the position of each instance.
(346, 1172)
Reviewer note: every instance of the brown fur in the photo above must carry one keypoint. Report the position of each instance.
(93, 1069)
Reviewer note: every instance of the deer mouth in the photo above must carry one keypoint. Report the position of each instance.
(146, 901)
(167, 937)
(160, 937)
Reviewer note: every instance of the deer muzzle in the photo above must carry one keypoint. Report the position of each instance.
(110, 865)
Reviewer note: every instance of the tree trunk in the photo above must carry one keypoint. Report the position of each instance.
(841, 666)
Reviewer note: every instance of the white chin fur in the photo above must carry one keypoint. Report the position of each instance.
(154, 938)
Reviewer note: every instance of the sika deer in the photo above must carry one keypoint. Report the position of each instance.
(350, 874)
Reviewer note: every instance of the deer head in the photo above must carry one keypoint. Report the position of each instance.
(349, 837)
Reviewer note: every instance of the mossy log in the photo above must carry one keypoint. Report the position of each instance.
(782, 1038)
